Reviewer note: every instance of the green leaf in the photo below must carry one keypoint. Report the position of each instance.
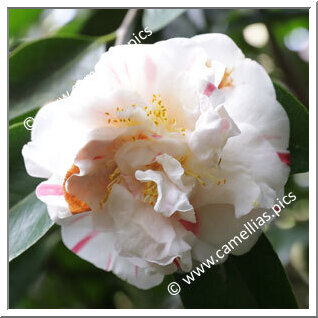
(43, 70)
(25, 273)
(20, 183)
(157, 19)
(21, 118)
(28, 222)
(299, 129)
(28, 217)
(254, 280)
(75, 25)
(21, 19)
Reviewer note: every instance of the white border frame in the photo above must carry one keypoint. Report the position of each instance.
(312, 176)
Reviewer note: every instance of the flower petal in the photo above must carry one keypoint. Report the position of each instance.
(219, 225)
(170, 198)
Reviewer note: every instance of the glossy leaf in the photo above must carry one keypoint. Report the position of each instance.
(75, 25)
(21, 19)
(21, 118)
(43, 70)
(28, 217)
(253, 280)
(299, 129)
(25, 272)
(28, 222)
(20, 183)
(157, 19)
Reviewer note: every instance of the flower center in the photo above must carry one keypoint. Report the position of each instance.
(156, 111)
(114, 177)
(226, 81)
(150, 192)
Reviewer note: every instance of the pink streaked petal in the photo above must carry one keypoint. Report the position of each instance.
(45, 189)
(155, 157)
(284, 157)
(127, 72)
(192, 62)
(98, 157)
(115, 74)
(176, 262)
(78, 246)
(209, 89)
(109, 262)
(150, 70)
(225, 124)
(189, 226)
(156, 136)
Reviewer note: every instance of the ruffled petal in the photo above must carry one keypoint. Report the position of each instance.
(157, 239)
(170, 198)
(51, 192)
(97, 248)
(212, 131)
(251, 174)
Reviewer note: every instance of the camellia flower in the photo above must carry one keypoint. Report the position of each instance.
(158, 157)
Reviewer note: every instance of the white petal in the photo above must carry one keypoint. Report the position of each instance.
(252, 100)
(51, 192)
(136, 155)
(170, 198)
(55, 140)
(252, 171)
(212, 130)
(219, 225)
(175, 172)
(98, 248)
(156, 238)
(219, 47)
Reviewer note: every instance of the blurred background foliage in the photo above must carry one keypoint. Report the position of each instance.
(48, 275)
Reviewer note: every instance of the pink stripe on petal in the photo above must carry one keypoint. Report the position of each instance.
(44, 189)
(284, 157)
(156, 136)
(127, 72)
(176, 262)
(98, 157)
(79, 245)
(225, 124)
(155, 157)
(136, 270)
(192, 227)
(109, 262)
(115, 74)
(150, 70)
(209, 89)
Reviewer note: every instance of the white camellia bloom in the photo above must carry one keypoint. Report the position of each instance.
(158, 157)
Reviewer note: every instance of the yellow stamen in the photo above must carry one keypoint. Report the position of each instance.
(150, 192)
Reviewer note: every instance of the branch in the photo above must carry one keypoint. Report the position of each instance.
(123, 29)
